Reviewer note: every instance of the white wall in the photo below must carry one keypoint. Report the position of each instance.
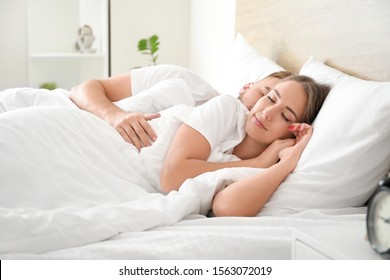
(13, 47)
(196, 34)
(211, 36)
(193, 33)
(132, 20)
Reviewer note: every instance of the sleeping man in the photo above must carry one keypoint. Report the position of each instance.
(128, 101)
(109, 98)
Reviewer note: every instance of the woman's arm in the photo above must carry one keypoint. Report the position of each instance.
(188, 154)
(247, 197)
(97, 97)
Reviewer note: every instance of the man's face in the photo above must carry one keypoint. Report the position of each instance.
(252, 92)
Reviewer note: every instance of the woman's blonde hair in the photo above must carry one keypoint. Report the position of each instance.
(316, 95)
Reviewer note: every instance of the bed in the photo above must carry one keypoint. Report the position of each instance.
(346, 46)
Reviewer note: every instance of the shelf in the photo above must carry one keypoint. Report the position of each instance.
(66, 55)
(52, 52)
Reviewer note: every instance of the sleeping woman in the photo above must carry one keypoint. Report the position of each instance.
(272, 135)
(220, 134)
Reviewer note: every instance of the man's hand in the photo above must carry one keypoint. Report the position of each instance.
(135, 129)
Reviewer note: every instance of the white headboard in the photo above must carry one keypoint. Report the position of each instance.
(352, 35)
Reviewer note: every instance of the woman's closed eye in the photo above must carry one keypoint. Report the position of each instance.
(271, 98)
(286, 118)
(285, 115)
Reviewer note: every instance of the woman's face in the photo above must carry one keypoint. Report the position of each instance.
(272, 115)
(252, 92)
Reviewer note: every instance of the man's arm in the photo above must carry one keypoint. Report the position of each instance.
(97, 97)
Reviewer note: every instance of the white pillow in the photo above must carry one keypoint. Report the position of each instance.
(243, 65)
(350, 148)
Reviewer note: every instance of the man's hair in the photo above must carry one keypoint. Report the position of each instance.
(280, 74)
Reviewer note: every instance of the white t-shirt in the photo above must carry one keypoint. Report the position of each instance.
(146, 77)
(160, 96)
(221, 121)
(149, 86)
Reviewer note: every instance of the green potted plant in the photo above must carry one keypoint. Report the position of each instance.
(149, 46)
(49, 86)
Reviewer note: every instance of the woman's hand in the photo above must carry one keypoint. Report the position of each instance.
(271, 155)
(135, 129)
(291, 155)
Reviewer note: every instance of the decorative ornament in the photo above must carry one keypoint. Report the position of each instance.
(85, 40)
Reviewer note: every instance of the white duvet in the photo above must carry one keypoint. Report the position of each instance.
(71, 188)
(69, 179)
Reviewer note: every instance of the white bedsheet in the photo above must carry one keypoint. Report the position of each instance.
(94, 203)
(69, 179)
(81, 186)
(198, 237)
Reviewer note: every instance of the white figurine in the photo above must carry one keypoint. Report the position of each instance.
(85, 40)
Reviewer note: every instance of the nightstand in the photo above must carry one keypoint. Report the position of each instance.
(333, 242)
